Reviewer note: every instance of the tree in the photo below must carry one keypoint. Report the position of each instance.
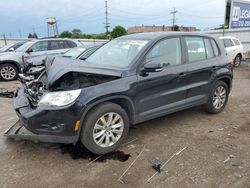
(66, 34)
(30, 36)
(76, 33)
(176, 28)
(118, 31)
(35, 36)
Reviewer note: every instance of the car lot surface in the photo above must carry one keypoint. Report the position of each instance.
(217, 153)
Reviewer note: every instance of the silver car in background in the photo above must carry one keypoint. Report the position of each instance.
(11, 63)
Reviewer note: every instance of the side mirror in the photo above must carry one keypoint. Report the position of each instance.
(153, 67)
(11, 50)
(83, 58)
(29, 50)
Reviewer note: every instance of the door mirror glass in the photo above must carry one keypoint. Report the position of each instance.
(29, 50)
(153, 67)
(11, 49)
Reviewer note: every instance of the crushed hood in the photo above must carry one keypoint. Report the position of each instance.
(60, 66)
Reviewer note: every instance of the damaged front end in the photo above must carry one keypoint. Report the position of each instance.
(50, 102)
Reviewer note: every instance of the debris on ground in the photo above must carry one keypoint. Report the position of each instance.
(120, 179)
(228, 158)
(156, 164)
(7, 94)
(175, 154)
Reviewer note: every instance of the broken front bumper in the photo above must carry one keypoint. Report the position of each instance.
(50, 124)
(18, 131)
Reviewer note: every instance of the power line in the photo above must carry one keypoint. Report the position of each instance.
(174, 19)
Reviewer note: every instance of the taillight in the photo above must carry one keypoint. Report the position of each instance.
(231, 62)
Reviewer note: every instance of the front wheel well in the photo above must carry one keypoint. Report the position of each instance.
(12, 63)
(123, 102)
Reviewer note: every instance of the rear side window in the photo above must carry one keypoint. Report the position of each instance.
(209, 48)
(167, 52)
(228, 43)
(195, 48)
(215, 48)
(71, 44)
(56, 44)
(236, 42)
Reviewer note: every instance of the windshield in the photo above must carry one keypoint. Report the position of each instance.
(74, 52)
(117, 53)
(24, 47)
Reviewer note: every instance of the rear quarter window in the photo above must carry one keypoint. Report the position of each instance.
(215, 48)
(236, 42)
(228, 43)
(71, 44)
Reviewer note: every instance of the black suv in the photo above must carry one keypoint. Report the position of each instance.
(129, 80)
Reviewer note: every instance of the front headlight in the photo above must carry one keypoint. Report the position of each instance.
(59, 98)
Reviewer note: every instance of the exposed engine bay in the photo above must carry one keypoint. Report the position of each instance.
(35, 80)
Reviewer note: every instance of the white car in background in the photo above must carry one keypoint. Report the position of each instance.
(234, 49)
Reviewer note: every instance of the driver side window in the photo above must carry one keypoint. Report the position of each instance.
(166, 52)
(40, 46)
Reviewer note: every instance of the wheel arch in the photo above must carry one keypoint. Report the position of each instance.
(227, 80)
(12, 63)
(124, 101)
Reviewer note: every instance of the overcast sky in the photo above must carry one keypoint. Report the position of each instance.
(89, 15)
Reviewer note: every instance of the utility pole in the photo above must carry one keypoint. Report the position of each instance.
(107, 25)
(4, 38)
(33, 29)
(174, 19)
(20, 33)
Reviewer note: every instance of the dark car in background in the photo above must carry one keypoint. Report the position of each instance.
(11, 63)
(11, 47)
(129, 80)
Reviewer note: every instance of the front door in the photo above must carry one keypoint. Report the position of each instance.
(162, 92)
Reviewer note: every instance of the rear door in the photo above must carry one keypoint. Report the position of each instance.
(202, 55)
(162, 92)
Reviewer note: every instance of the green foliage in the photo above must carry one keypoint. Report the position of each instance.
(34, 35)
(176, 28)
(66, 34)
(118, 31)
(77, 33)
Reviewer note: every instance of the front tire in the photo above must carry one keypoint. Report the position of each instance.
(218, 98)
(105, 127)
(8, 72)
(237, 61)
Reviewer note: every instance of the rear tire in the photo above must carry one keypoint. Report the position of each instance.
(218, 98)
(105, 128)
(8, 72)
(237, 60)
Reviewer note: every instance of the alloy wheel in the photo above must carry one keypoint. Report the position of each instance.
(108, 129)
(237, 61)
(219, 97)
(8, 72)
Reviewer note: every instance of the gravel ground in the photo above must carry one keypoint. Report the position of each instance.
(217, 153)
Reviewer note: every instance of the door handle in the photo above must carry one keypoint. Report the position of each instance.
(214, 68)
(182, 74)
